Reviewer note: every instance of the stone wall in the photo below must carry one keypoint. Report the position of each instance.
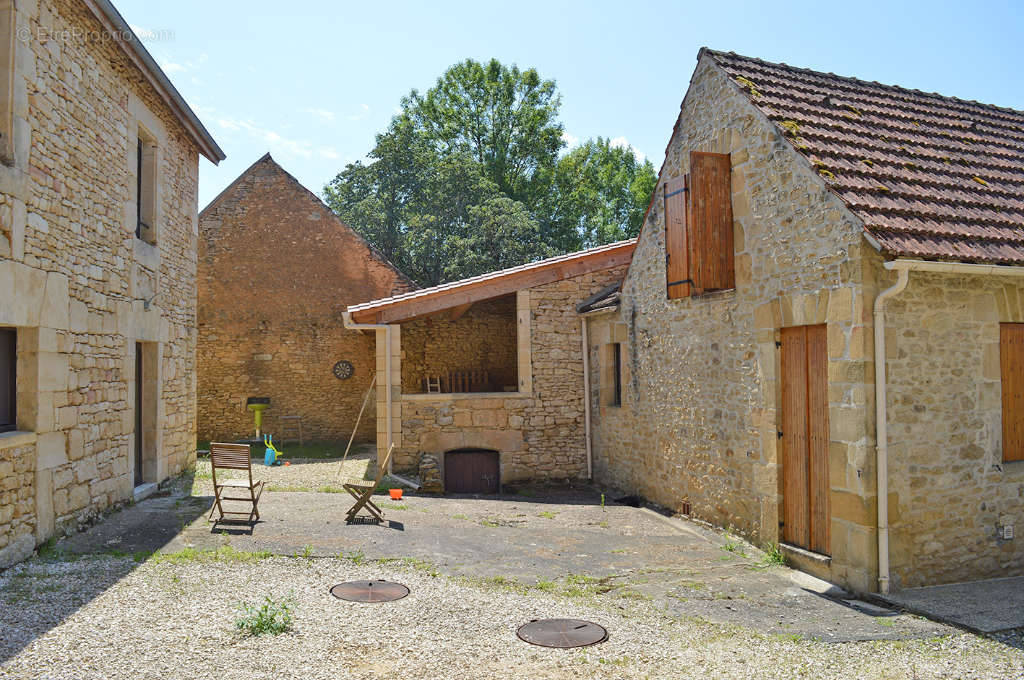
(484, 338)
(17, 503)
(76, 278)
(538, 430)
(949, 487)
(699, 412)
(277, 270)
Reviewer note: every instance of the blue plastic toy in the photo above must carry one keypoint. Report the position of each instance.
(272, 454)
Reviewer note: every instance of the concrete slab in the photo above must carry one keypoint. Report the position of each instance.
(552, 537)
(984, 606)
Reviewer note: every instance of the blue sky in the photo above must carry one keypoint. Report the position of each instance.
(312, 82)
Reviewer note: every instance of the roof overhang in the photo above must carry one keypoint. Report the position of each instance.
(488, 286)
(126, 39)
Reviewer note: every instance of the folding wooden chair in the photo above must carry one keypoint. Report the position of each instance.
(234, 457)
(363, 492)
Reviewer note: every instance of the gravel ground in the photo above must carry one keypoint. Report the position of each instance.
(304, 474)
(109, 617)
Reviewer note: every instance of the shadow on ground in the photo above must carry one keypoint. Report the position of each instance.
(572, 540)
(131, 534)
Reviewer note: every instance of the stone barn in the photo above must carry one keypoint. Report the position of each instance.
(820, 337)
(99, 164)
(481, 380)
(276, 271)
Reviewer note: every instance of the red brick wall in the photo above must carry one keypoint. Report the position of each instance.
(276, 271)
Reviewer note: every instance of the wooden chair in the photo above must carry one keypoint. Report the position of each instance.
(234, 457)
(363, 492)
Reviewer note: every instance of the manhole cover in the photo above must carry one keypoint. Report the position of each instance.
(562, 633)
(369, 591)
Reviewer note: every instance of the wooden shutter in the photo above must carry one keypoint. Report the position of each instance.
(805, 438)
(676, 258)
(1011, 360)
(709, 227)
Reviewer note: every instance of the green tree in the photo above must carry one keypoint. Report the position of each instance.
(467, 179)
(504, 118)
(598, 194)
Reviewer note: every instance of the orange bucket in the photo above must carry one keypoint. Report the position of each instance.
(396, 494)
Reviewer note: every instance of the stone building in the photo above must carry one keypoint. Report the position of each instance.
(277, 269)
(821, 327)
(481, 380)
(99, 159)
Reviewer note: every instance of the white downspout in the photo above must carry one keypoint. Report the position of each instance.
(586, 398)
(387, 372)
(881, 429)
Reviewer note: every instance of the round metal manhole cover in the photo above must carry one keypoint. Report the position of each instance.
(369, 591)
(563, 633)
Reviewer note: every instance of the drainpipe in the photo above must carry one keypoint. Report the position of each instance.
(903, 269)
(881, 430)
(586, 397)
(349, 323)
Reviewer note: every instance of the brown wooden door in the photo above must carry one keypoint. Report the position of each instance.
(471, 471)
(805, 438)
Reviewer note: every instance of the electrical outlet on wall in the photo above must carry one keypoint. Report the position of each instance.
(1007, 532)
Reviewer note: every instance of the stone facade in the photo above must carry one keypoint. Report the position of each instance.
(276, 271)
(699, 415)
(949, 488)
(537, 430)
(78, 286)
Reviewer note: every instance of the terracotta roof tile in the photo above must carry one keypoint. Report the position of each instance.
(930, 176)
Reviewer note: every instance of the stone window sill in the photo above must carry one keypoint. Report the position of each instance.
(16, 438)
(455, 396)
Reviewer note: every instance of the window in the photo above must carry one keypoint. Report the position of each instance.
(145, 188)
(1011, 366)
(698, 227)
(611, 378)
(8, 384)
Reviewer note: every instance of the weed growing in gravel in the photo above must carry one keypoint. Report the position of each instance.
(547, 514)
(307, 552)
(546, 586)
(356, 557)
(394, 506)
(225, 553)
(460, 516)
(734, 547)
(773, 556)
(273, 616)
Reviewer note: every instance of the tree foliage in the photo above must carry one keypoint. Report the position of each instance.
(467, 179)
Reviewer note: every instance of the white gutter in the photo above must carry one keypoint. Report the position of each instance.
(586, 398)
(881, 429)
(903, 269)
(387, 373)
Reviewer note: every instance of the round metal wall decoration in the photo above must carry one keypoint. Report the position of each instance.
(343, 370)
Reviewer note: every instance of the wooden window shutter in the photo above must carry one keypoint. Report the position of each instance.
(676, 258)
(1011, 363)
(709, 227)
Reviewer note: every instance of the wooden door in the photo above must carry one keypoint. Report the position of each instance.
(1011, 359)
(471, 471)
(805, 438)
